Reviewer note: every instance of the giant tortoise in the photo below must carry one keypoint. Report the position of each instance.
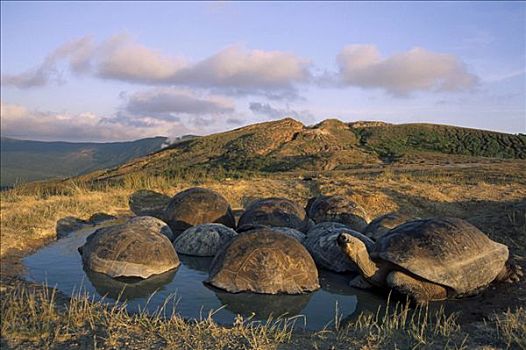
(382, 224)
(432, 259)
(137, 248)
(196, 206)
(264, 261)
(337, 209)
(203, 240)
(321, 242)
(275, 212)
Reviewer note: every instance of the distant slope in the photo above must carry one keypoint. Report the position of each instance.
(394, 141)
(23, 160)
(288, 145)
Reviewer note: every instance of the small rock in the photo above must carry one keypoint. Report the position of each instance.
(69, 224)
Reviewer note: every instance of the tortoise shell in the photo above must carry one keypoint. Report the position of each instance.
(382, 224)
(264, 261)
(129, 250)
(275, 212)
(203, 240)
(338, 209)
(196, 206)
(446, 251)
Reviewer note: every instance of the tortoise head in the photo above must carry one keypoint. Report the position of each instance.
(351, 246)
(357, 252)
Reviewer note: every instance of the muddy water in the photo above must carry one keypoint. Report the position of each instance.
(59, 265)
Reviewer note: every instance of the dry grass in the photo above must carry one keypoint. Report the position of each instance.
(32, 317)
(403, 327)
(512, 328)
(36, 317)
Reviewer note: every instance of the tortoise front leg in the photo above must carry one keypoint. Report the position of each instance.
(511, 272)
(360, 282)
(419, 290)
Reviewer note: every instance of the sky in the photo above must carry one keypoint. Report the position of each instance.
(113, 71)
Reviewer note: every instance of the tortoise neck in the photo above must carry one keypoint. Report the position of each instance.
(365, 264)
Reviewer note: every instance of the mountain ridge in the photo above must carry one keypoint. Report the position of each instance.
(288, 145)
(28, 160)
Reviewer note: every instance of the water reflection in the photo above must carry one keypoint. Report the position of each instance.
(261, 306)
(129, 289)
(197, 263)
(338, 284)
(59, 264)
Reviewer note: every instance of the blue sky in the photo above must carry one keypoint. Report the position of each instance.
(87, 71)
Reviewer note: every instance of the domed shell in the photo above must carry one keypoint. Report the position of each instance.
(300, 236)
(275, 212)
(153, 224)
(148, 203)
(383, 224)
(322, 243)
(447, 251)
(338, 209)
(196, 206)
(264, 261)
(129, 250)
(203, 240)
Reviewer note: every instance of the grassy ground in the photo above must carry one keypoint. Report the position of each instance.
(35, 317)
(493, 197)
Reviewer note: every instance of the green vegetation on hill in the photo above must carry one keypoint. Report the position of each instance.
(398, 140)
(277, 146)
(23, 160)
(288, 145)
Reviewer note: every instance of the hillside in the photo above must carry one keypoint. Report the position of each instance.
(395, 141)
(288, 145)
(23, 160)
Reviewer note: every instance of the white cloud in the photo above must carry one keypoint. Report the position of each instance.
(238, 68)
(121, 58)
(270, 112)
(156, 112)
(177, 101)
(400, 74)
(77, 53)
(19, 121)
(34, 77)
(233, 69)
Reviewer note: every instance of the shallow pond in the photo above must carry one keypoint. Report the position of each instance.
(59, 265)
